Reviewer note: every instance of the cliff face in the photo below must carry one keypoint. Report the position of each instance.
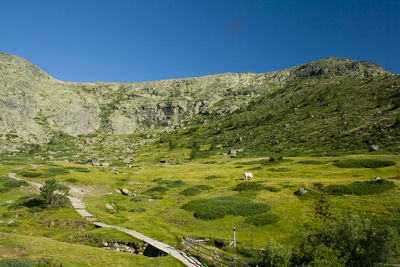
(34, 106)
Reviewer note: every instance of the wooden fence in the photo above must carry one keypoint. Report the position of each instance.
(210, 255)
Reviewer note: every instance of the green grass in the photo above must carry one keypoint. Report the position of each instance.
(195, 190)
(171, 183)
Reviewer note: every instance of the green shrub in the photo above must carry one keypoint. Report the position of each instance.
(272, 189)
(72, 180)
(14, 183)
(55, 171)
(210, 209)
(28, 201)
(249, 186)
(279, 169)
(78, 169)
(263, 219)
(363, 163)
(312, 162)
(310, 195)
(31, 173)
(158, 188)
(337, 190)
(194, 190)
(171, 183)
(20, 262)
(371, 187)
(360, 188)
(211, 177)
(255, 168)
(191, 191)
(354, 240)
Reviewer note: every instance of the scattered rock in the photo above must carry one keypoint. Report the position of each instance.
(109, 207)
(7, 202)
(373, 148)
(133, 182)
(92, 162)
(301, 192)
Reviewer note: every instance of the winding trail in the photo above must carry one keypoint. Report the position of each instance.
(80, 207)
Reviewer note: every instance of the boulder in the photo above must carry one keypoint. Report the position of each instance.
(301, 192)
(373, 148)
(109, 207)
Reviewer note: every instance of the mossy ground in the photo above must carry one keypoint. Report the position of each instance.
(162, 217)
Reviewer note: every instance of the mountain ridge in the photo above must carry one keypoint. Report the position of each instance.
(35, 107)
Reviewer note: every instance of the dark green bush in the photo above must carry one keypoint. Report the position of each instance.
(249, 186)
(210, 209)
(337, 190)
(371, 187)
(310, 195)
(346, 241)
(360, 188)
(363, 163)
(14, 183)
(312, 162)
(272, 189)
(20, 262)
(78, 169)
(30, 173)
(28, 201)
(171, 183)
(158, 188)
(255, 168)
(72, 180)
(262, 219)
(211, 177)
(279, 169)
(191, 191)
(55, 171)
(194, 190)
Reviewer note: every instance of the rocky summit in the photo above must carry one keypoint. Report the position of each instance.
(36, 107)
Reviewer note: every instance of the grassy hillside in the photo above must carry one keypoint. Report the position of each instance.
(316, 114)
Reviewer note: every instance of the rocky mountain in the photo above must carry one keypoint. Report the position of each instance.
(34, 107)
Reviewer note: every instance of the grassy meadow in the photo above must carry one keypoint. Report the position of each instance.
(203, 197)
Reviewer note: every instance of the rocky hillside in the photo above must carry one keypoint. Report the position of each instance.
(35, 107)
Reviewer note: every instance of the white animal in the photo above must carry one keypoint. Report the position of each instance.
(248, 175)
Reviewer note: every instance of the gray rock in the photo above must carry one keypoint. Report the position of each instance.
(300, 192)
(109, 207)
(373, 148)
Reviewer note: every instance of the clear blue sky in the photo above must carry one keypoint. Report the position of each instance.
(128, 41)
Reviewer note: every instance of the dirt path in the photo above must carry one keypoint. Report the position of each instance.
(80, 207)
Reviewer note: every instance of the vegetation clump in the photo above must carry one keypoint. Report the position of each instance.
(211, 209)
(272, 189)
(312, 162)
(19, 262)
(249, 186)
(194, 190)
(171, 183)
(53, 194)
(158, 188)
(31, 173)
(360, 188)
(263, 219)
(9, 183)
(363, 163)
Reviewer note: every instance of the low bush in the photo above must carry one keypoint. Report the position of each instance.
(312, 162)
(55, 171)
(279, 169)
(194, 190)
(30, 173)
(262, 219)
(371, 187)
(360, 188)
(14, 183)
(210, 209)
(337, 190)
(28, 201)
(363, 163)
(310, 195)
(158, 188)
(272, 189)
(137, 210)
(249, 186)
(72, 180)
(78, 169)
(255, 168)
(171, 183)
